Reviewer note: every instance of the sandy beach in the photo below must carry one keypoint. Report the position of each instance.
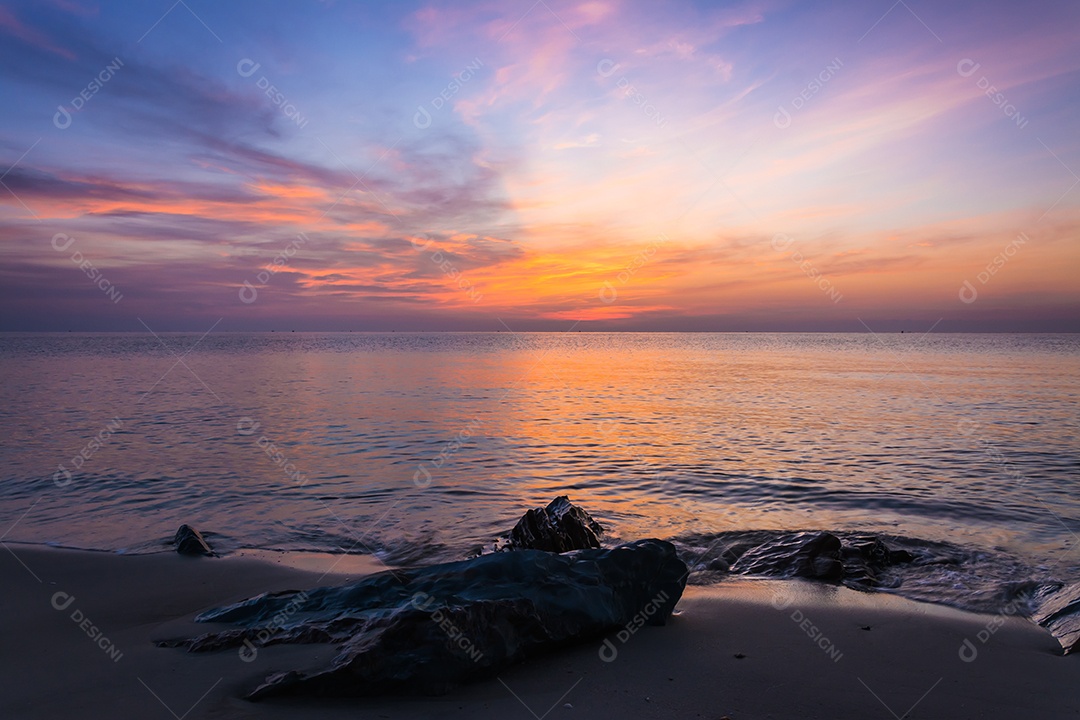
(743, 649)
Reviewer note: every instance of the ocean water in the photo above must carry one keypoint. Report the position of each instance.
(422, 447)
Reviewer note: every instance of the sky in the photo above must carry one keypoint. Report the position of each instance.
(540, 165)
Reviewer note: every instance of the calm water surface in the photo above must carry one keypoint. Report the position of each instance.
(422, 447)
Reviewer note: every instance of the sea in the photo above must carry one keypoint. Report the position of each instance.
(417, 448)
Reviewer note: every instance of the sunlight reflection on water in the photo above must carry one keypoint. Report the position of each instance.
(423, 446)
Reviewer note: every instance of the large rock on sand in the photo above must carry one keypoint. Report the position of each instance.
(426, 630)
(1060, 614)
(559, 527)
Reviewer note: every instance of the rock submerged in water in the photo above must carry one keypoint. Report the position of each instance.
(559, 527)
(865, 557)
(857, 561)
(430, 629)
(190, 541)
(808, 555)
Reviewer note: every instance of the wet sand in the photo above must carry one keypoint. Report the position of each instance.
(742, 649)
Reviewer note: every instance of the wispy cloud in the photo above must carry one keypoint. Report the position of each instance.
(563, 140)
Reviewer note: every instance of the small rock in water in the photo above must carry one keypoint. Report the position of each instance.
(858, 561)
(814, 555)
(190, 541)
(559, 527)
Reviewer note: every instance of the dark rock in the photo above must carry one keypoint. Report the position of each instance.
(426, 630)
(560, 527)
(866, 557)
(190, 541)
(718, 565)
(869, 549)
(859, 561)
(1059, 613)
(874, 552)
(898, 557)
(814, 555)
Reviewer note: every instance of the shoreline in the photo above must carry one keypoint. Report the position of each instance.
(80, 627)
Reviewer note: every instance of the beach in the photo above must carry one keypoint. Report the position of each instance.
(546, 360)
(744, 649)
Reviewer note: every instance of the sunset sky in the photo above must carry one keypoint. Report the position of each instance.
(540, 165)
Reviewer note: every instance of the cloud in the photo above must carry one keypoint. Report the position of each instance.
(13, 27)
(588, 131)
